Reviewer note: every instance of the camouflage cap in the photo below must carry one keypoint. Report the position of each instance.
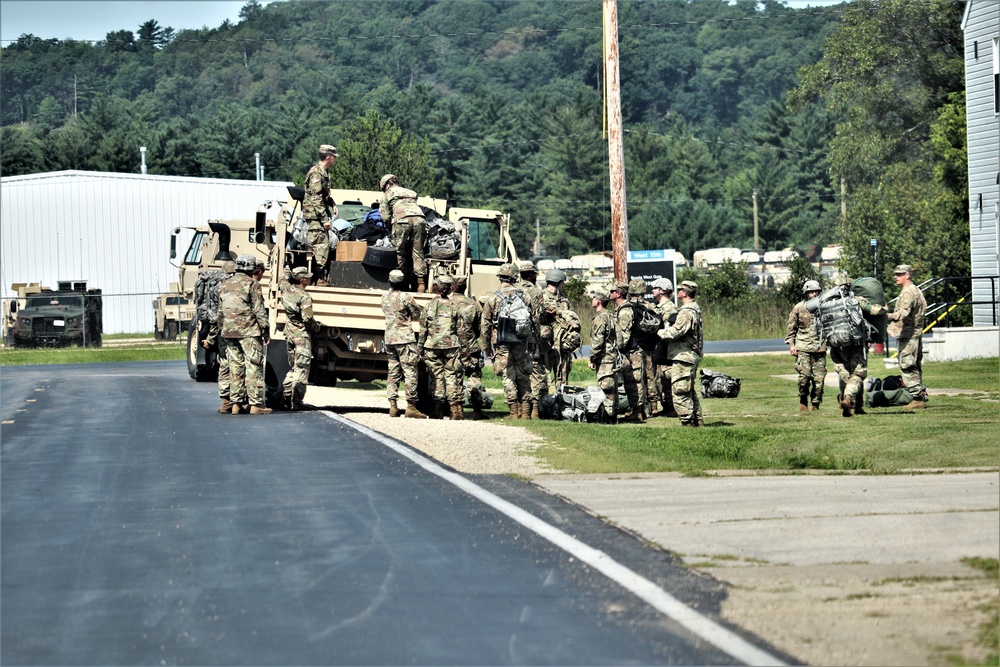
(328, 149)
(841, 279)
(396, 276)
(443, 279)
(461, 279)
(637, 287)
(619, 286)
(600, 293)
(688, 286)
(663, 284)
(901, 269)
(246, 262)
(526, 266)
(384, 180)
(300, 272)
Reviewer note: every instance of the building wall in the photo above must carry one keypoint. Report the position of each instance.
(981, 24)
(112, 230)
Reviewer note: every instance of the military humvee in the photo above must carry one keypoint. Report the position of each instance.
(43, 317)
(172, 313)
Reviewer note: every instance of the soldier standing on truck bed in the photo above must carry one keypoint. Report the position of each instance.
(318, 209)
(207, 298)
(298, 307)
(439, 344)
(244, 324)
(401, 312)
(405, 218)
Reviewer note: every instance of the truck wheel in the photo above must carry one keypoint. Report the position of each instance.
(170, 330)
(275, 370)
(157, 334)
(204, 372)
(93, 336)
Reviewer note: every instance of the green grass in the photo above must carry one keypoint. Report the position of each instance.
(79, 355)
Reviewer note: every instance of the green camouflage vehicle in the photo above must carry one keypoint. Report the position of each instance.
(42, 317)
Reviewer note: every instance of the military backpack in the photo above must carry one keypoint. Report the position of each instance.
(513, 318)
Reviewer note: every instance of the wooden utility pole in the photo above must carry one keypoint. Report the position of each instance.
(616, 156)
(756, 227)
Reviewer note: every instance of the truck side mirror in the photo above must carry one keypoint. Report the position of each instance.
(259, 222)
(173, 245)
(13, 306)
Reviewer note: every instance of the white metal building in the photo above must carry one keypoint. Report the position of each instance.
(112, 230)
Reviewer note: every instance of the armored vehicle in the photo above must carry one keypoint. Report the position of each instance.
(172, 314)
(43, 317)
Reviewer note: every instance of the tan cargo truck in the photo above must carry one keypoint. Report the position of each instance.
(349, 345)
(173, 313)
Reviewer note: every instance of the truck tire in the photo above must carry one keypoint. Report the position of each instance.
(203, 372)
(157, 334)
(170, 331)
(275, 369)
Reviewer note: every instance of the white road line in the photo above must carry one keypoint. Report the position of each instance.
(718, 636)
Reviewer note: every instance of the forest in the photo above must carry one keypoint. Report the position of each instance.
(499, 103)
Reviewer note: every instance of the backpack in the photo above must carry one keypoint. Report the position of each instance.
(206, 294)
(443, 241)
(299, 238)
(645, 323)
(886, 393)
(566, 331)
(513, 318)
(718, 385)
(578, 404)
(841, 320)
(371, 229)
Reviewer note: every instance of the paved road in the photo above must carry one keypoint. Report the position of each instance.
(139, 527)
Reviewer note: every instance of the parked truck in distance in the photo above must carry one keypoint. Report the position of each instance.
(173, 313)
(350, 343)
(43, 317)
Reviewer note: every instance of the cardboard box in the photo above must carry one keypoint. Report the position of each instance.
(351, 251)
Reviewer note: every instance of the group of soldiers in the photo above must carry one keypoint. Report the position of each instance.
(809, 347)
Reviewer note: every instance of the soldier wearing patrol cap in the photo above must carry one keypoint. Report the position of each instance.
(663, 297)
(539, 360)
(907, 327)
(557, 352)
(511, 360)
(244, 323)
(318, 209)
(401, 314)
(605, 358)
(441, 333)
(808, 348)
(301, 324)
(631, 375)
(684, 350)
(213, 337)
(404, 217)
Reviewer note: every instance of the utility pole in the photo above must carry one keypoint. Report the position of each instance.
(843, 207)
(616, 156)
(756, 228)
(257, 170)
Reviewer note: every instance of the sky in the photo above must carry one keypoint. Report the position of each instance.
(91, 20)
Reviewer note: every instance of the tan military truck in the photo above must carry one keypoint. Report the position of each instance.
(173, 313)
(350, 344)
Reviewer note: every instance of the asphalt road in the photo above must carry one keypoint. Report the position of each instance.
(137, 526)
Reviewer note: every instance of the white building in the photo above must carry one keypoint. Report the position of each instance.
(112, 230)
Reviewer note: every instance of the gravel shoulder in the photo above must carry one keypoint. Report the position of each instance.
(906, 608)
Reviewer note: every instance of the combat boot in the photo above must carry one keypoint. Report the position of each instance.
(915, 404)
(240, 408)
(413, 413)
(525, 409)
(815, 407)
(421, 284)
(259, 410)
(846, 404)
(394, 408)
(322, 283)
(532, 410)
(456, 413)
(652, 409)
(803, 407)
(515, 411)
(860, 410)
(700, 422)
(227, 407)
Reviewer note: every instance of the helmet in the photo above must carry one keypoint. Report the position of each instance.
(841, 279)
(526, 266)
(810, 286)
(396, 276)
(385, 179)
(300, 272)
(460, 279)
(506, 271)
(663, 284)
(443, 279)
(246, 263)
(555, 276)
(637, 287)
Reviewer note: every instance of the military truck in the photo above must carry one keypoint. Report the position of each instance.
(43, 317)
(172, 313)
(350, 344)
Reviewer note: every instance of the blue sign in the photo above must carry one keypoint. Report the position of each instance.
(649, 255)
(874, 242)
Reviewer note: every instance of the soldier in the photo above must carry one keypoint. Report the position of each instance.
(213, 338)
(511, 360)
(851, 361)
(634, 364)
(907, 327)
(808, 348)
(663, 295)
(245, 326)
(298, 307)
(439, 344)
(605, 359)
(401, 312)
(558, 361)
(318, 209)
(539, 365)
(684, 351)
(405, 218)
(470, 354)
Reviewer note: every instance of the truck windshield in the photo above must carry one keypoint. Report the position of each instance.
(193, 255)
(483, 239)
(177, 301)
(53, 300)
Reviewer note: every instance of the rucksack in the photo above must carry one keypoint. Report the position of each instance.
(578, 404)
(841, 320)
(645, 323)
(886, 393)
(371, 229)
(443, 241)
(206, 294)
(513, 318)
(718, 385)
(566, 331)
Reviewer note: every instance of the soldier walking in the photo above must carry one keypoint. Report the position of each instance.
(405, 218)
(808, 348)
(401, 312)
(663, 296)
(633, 364)
(907, 327)
(318, 209)
(470, 354)
(851, 361)
(245, 326)
(298, 307)
(684, 352)
(605, 358)
(439, 343)
(511, 360)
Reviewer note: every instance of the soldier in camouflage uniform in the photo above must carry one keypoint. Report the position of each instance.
(907, 327)
(470, 354)
(539, 360)
(405, 218)
(318, 209)
(634, 365)
(851, 361)
(605, 359)
(244, 324)
(663, 296)
(439, 343)
(804, 343)
(684, 351)
(557, 361)
(298, 307)
(401, 312)
(208, 311)
(511, 361)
